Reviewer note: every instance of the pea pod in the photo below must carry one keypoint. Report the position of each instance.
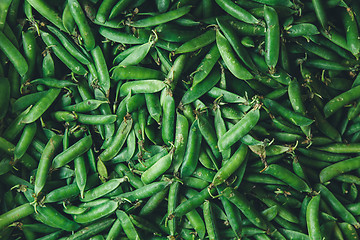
(97, 212)
(160, 167)
(237, 12)
(25, 140)
(341, 100)
(141, 86)
(272, 37)
(15, 214)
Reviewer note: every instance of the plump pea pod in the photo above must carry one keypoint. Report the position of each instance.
(13, 54)
(156, 170)
(48, 12)
(103, 189)
(161, 18)
(245, 207)
(141, 86)
(341, 148)
(118, 8)
(339, 168)
(101, 68)
(4, 96)
(272, 37)
(127, 225)
(153, 203)
(197, 223)
(240, 50)
(239, 130)
(63, 54)
(80, 174)
(25, 140)
(92, 229)
(16, 214)
(153, 106)
(121, 37)
(137, 55)
(227, 54)
(210, 222)
(82, 23)
(115, 230)
(197, 43)
(195, 92)
(288, 177)
(293, 117)
(336, 205)
(118, 141)
(348, 231)
(208, 134)
(320, 11)
(135, 72)
(341, 100)
(4, 7)
(45, 162)
(84, 106)
(192, 151)
(231, 165)
(237, 12)
(173, 199)
(74, 151)
(312, 218)
(97, 212)
(104, 10)
(96, 119)
(168, 119)
(173, 33)
(31, 52)
(181, 138)
(62, 193)
(52, 82)
(176, 70)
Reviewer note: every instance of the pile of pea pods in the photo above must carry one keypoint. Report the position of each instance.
(179, 119)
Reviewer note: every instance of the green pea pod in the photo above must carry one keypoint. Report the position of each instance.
(320, 11)
(141, 86)
(302, 29)
(227, 54)
(201, 88)
(162, 18)
(341, 148)
(339, 168)
(82, 23)
(168, 120)
(341, 100)
(80, 174)
(135, 72)
(102, 189)
(4, 96)
(272, 37)
(197, 43)
(74, 151)
(127, 225)
(84, 106)
(25, 140)
(53, 82)
(97, 212)
(92, 229)
(96, 119)
(15, 214)
(237, 12)
(121, 37)
(104, 10)
(153, 106)
(68, 20)
(102, 70)
(118, 8)
(239, 130)
(118, 141)
(225, 95)
(156, 170)
(137, 55)
(173, 33)
(208, 134)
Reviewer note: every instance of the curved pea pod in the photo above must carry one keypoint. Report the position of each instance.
(127, 225)
(84, 106)
(302, 29)
(45, 162)
(102, 189)
(339, 168)
(118, 141)
(141, 86)
(312, 218)
(245, 207)
(181, 138)
(352, 32)
(168, 119)
(118, 8)
(173, 33)
(336, 205)
(137, 55)
(208, 134)
(74, 151)
(288, 177)
(197, 43)
(341, 148)
(97, 212)
(4, 96)
(237, 12)
(153, 106)
(15, 214)
(192, 151)
(25, 140)
(201, 88)
(272, 37)
(96, 119)
(225, 95)
(156, 170)
(101, 68)
(239, 130)
(82, 23)
(53, 82)
(135, 72)
(121, 37)
(231, 165)
(161, 18)
(293, 117)
(341, 100)
(92, 229)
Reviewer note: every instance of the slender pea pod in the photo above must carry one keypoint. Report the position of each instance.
(80, 174)
(102, 70)
(341, 148)
(52, 82)
(237, 12)
(173, 33)
(327, 65)
(74, 151)
(336, 205)
(127, 225)
(63, 54)
(173, 199)
(96, 119)
(97, 212)
(82, 23)
(135, 72)
(156, 170)
(121, 37)
(239, 130)
(312, 218)
(161, 18)
(195, 92)
(91, 229)
(25, 140)
(348, 231)
(48, 66)
(168, 119)
(15, 214)
(341, 100)
(272, 37)
(30, 52)
(192, 151)
(84, 106)
(104, 10)
(45, 162)
(68, 20)
(231, 165)
(118, 8)
(69, 46)
(4, 7)
(137, 55)
(48, 12)
(118, 141)
(286, 3)
(209, 220)
(153, 106)
(141, 86)
(114, 231)
(196, 43)
(8, 48)
(227, 54)
(339, 168)
(176, 70)
(320, 11)
(208, 134)
(154, 202)
(181, 138)
(239, 49)
(197, 223)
